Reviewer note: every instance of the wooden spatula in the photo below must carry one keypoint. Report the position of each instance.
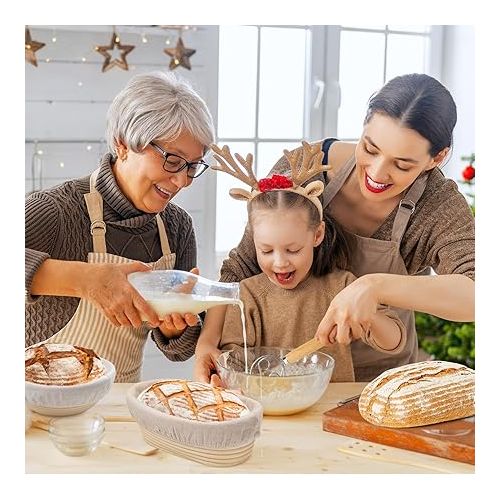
(303, 350)
(274, 365)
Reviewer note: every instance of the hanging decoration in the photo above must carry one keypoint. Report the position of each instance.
(115, 53)
(30, 47)
(180, 55)
(108, 61)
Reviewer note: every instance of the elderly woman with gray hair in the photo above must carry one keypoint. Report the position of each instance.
(84, 237)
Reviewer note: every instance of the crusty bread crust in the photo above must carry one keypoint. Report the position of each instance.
(61, 364)
(418, 394)
(193, 400)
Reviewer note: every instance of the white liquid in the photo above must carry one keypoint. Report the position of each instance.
(245, 347)
(168, 303)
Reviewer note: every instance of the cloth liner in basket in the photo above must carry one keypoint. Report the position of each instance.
(69, 399)
(220, 444)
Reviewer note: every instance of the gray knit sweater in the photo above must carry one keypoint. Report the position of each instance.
(57, 226)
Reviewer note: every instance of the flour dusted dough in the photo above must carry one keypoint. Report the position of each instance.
(61, 364)
(417, 394)
(193, 401)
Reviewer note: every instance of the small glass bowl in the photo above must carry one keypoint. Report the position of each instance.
(77, 435)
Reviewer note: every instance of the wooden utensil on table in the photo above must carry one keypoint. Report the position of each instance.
(383, 453)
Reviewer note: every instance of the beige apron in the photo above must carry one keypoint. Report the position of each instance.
(369, 255)
(123, 346)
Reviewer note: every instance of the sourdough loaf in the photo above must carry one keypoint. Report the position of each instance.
(193, 401)
(61, 364)
(417, 394)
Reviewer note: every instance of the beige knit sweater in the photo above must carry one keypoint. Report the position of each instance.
(278, 317)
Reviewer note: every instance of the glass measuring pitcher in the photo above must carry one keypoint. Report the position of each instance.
(181, 292)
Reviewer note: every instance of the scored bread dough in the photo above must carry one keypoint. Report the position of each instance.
(193, 401)
(61, 364)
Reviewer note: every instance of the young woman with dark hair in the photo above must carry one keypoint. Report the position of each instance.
(401, 216)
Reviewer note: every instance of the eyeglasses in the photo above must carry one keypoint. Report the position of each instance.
(174, 163)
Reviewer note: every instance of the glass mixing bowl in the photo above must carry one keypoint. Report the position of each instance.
(300, 386)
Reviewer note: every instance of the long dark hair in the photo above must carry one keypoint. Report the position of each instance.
(420, 103)
(332, 252)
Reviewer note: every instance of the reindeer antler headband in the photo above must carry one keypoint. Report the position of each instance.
(302, 168)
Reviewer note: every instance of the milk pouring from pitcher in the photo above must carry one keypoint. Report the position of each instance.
(181, 292)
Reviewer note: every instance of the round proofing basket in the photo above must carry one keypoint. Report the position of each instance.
(217, 444)
(61, 400)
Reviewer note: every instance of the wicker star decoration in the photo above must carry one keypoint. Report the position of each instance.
(108, 62)
(30, 47)
(180, 55)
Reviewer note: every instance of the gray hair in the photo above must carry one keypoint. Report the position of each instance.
(156, 106)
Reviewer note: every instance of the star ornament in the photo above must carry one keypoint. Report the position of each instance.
(180, 55)
(114, 44)
(30, 47)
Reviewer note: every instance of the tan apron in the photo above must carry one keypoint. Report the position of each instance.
(369, 255)
(123, 346)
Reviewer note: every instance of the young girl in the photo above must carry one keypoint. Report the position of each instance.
(299, 251)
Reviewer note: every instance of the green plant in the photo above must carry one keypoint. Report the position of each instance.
(446, 340)
(443, 339)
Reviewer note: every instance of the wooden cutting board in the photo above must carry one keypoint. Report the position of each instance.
(454, 440)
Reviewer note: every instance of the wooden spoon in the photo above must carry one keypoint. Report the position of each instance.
(303, 350)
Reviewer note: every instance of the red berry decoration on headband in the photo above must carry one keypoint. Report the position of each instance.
(468, 173)
(274, 182)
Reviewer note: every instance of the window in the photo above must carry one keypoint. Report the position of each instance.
(369, 57)
(262, 84)
(281, 84)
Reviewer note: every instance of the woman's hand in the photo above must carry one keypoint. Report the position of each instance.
(107, 287)
(172, 325)
(350, 313)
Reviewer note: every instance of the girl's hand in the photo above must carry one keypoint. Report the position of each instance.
(174, 324)
(106, 286)
(204, 366)
(350, 313)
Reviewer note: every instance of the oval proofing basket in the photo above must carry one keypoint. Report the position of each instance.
(216, 444)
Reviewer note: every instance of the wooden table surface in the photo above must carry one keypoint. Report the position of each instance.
(288, 444)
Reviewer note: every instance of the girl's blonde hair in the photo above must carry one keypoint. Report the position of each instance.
(332, 252)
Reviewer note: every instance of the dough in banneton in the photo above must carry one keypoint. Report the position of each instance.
(417, 394)
(193, 401)
(61, 364)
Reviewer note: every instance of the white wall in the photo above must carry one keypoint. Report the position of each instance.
(458, 75)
